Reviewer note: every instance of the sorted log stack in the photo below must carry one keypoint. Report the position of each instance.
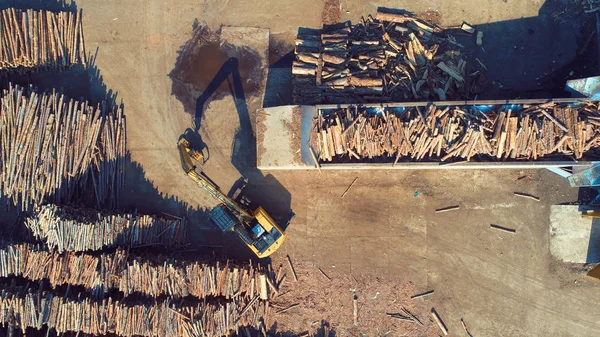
(37, 309)
(456, 133)
(40, 39)
(81, 229)
(52, 147)
(133, 274)
(96, 273)
(393, 57)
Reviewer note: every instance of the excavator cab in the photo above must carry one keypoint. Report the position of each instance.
(261, 234)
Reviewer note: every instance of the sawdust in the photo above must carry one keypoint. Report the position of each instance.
(294, 131)
(331, 12)
(261, 128)
(321, 300)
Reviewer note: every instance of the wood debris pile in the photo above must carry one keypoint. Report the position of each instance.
(135, 275)
(30, 308)
(392, 57)
(51, 147)
(457, 133)
(40, 39)
(80, 229)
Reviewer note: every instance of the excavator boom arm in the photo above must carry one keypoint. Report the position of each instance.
(196, 174)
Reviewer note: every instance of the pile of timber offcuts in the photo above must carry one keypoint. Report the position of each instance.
(40, 39)
(66, 228)
(138, 274)
(523, 132)
(52, 147)
(31, 308)
(392, 57)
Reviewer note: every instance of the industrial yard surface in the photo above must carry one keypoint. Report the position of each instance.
(383, 240)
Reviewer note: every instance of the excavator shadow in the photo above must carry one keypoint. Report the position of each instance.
(236, 76)
(205, 239)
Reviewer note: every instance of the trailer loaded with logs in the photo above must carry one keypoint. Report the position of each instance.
(454, 132)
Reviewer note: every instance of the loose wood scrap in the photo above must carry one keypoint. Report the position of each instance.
(462, 322)
(37, 309)
(527, 196)
(41, 39)
(289, 261)
(502, 228)
(324, 275)
(349, 186)
(392, 57)
(81, 229)
(438, 320)
(288, 308)
(132, 274)
(412, 316)
(456, 133)
(427, 293)
(447, 209)
(355, 309)
(51, 147)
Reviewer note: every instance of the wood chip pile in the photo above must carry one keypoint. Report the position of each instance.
(51, 147)
(392, 57)
(65, 228)
(133, 274)
(36, 309)
(514, 132)
(40, 39)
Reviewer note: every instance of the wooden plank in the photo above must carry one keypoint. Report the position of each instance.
(526, 195)
(438, 320)
(502, 228)
(348, 189)
(447, 209)
(289, 261)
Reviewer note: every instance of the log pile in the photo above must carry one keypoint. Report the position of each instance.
(30, 308)
(51, 147)
(96, 273)
(392, 57)
(81, 229)
(457, 133)
(40, 39)
(133, 274)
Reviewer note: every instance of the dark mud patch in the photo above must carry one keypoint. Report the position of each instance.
(205, 65)
(279, 48)
(279, 79)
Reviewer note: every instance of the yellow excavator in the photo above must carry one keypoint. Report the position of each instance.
(257, 229)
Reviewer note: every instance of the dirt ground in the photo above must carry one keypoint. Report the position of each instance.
(384, 235)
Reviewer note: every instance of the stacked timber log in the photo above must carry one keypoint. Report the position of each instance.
(40, 39)
(96, 273)
(455, 133)
(393, 57)
(80, 229)
(29, 308)
(52, 147)
(134, 274)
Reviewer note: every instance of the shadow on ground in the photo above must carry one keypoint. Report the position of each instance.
(534, 57)
(80, 82)
(51, 5)
(324, 330)
(141, 194)
(279, 90)
(233, 71)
